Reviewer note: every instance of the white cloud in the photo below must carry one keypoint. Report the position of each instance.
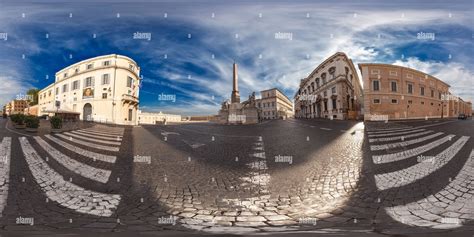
(11, 88)
(283, 62)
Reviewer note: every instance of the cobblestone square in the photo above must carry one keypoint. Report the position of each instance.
(279, 176)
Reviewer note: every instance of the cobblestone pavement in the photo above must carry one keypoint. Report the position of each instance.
(280, 176)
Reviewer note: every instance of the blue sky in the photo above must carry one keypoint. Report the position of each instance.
(244, 31)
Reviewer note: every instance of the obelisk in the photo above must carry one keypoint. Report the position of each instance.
(235, 97)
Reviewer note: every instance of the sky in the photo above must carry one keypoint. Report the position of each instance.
(193, 44)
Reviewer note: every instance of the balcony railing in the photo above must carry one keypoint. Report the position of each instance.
(129, 98)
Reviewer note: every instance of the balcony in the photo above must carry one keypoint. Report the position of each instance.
(129, 99)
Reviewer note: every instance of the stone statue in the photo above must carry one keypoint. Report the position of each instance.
(225, 105)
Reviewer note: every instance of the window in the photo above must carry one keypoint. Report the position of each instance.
(323, 76)
(75, 85)
(333, 90)
(273, 104)
(393, 73)
(105, 79)
(332, 72)
(317, 82)
(312, 86)
(432, 93)
(393, 85)
(422, 102)
(325, 93)
(106, 63)
(129, 82)
(104, 95)
(65, 75)
(410, 88)
(410, 76)
(422, 91)
(376, 101)
(76, 70)
(64, 88)
(89, 82)
(334, 106)
(57, 90)
(439, 95)
(375, 71)
(394, 101)
(90, 66)
(49, 93)
(130, 67)
(375, 85)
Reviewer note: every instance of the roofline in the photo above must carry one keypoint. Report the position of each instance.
(275, 88)
(351, 64)
(95, 58)
(398, 66)
(326, 61)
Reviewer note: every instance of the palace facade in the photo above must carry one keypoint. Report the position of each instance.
(274, 104)
(332, 90)
(397, 92)
(102, 89)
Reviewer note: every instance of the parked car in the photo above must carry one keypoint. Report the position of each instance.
(462, 116)
(44, 116)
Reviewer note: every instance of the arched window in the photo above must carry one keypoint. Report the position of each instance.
(317, 82)
(312, 86)
(323, 77)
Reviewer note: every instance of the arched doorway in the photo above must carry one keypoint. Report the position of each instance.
(87, 112)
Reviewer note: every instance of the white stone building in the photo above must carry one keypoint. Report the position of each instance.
(157, 118)
(102, 89)
(274, 104)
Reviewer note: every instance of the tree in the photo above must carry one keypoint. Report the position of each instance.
(34, 96)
